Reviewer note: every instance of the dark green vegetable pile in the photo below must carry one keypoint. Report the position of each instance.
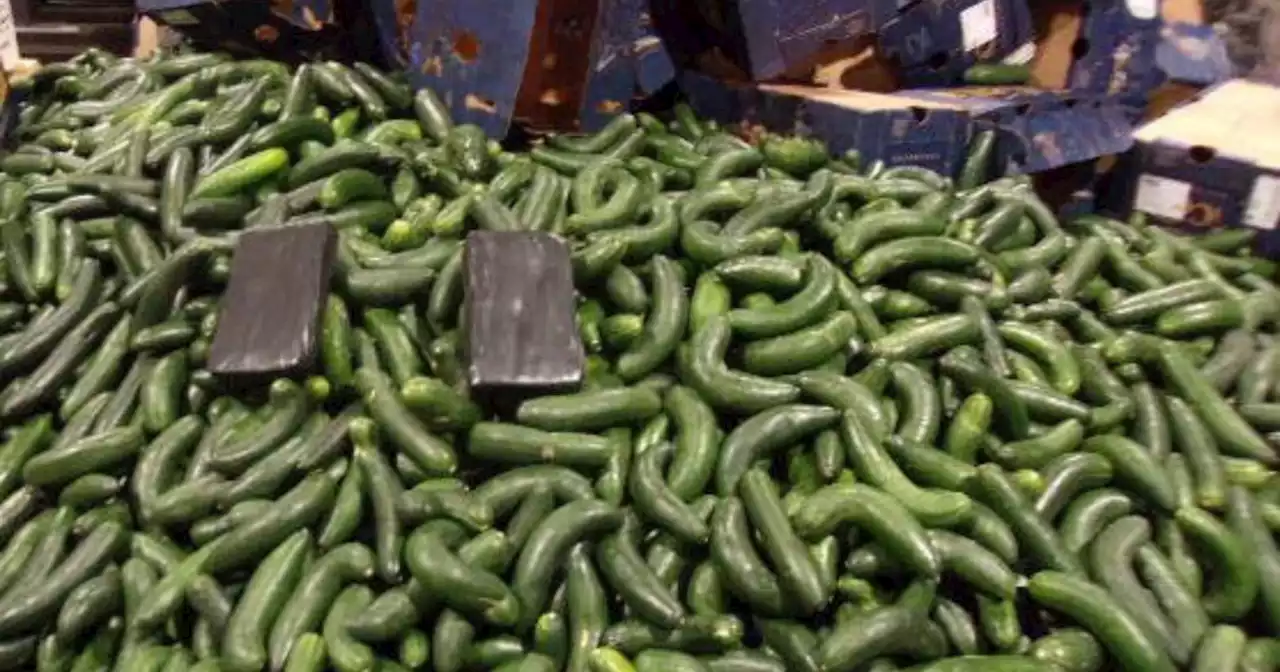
(836, 417)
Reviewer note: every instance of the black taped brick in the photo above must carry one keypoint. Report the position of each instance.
(521, 336)
(269, 318)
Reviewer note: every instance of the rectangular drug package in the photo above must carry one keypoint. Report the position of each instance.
(520, 334)
(269, 318)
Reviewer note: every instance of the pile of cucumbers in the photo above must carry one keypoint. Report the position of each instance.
(836, 417)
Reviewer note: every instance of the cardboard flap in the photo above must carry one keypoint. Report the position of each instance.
(893, 129)
(759, 40)
(987, 101)
(611, 78)
(308, 14)
(1040, 130)
(1120, 37)
(653, 64)
(473, 53)
(1082, 131)
(802, 28)
(564, 65)
(1193, 54)
(1237, 120)
(393, 21)
(865, 101)
(987, 29)
(1104, 47)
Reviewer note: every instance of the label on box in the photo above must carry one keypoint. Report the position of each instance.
(1162, 197)
(1263, 211)
(1143, 9)
(978, 24)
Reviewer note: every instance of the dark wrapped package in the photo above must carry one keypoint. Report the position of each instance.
(269, 321)
(521, 337)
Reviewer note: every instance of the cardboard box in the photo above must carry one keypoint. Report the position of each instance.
(1212, 162)
(553, 65)
(1100, 47)
(1193, 54)
(289, 30)
(864, 71)
(893, 129)
(612, 78)
(1037, 130)
(392, 23)
(760, 40)
(1182, 11)
(1191, 57)
(934, 42)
